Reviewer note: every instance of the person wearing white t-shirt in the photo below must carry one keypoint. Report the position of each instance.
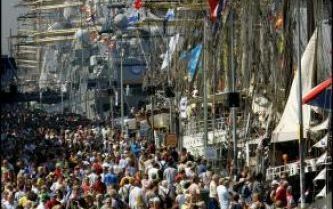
(9, 202)
(92, 177)
(213, 191)
(135, 197)
(153, 172)
(123, 162)
(223, 194)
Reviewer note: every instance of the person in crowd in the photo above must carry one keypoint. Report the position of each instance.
(235, 204)
(281, 193)
(214, 200)
(223, 193)
(9, 202)
(290, 198)
(256, 202)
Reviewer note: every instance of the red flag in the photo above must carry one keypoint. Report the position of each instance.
(138, 4)
(213, 4)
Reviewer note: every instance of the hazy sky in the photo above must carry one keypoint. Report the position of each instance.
(8, 20)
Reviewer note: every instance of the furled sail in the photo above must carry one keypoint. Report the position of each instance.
(288, 127)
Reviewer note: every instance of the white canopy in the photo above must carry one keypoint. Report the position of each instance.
(321, 175)
(322, 142)
(322, 193)
(322, 158)
(288, 127)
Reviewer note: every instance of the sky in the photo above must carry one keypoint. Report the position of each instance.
(8, 21)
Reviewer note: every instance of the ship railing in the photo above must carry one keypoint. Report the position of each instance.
(291, 169)
(194, 127)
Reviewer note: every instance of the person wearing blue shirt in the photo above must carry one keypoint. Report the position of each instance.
(223, 193)
(110, 178)
(202, 167)
(135, 149)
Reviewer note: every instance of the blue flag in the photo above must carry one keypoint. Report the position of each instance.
(194, 56)
(323, 100)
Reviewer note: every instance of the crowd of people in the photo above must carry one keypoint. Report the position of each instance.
(49, 163)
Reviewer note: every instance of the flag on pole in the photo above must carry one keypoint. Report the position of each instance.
(172, 48)
(193, 60)
(320, 96)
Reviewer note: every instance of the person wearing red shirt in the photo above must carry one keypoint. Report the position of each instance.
(98, 167)
(85, 185)
(99, 186)
(55, 200)
(290, 198)
(281, 193)
(58, 171)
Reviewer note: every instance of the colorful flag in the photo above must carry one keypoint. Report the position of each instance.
(320, 96)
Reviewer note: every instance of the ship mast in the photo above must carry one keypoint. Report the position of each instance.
(300, 116)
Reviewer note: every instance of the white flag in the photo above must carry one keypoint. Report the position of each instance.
(172, 48)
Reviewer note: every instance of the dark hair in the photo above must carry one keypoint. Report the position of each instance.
(258, 176)
(236, 197)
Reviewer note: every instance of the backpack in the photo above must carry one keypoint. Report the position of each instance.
(120, 203)
(125, 193)
(168, 200)
(245, 191)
